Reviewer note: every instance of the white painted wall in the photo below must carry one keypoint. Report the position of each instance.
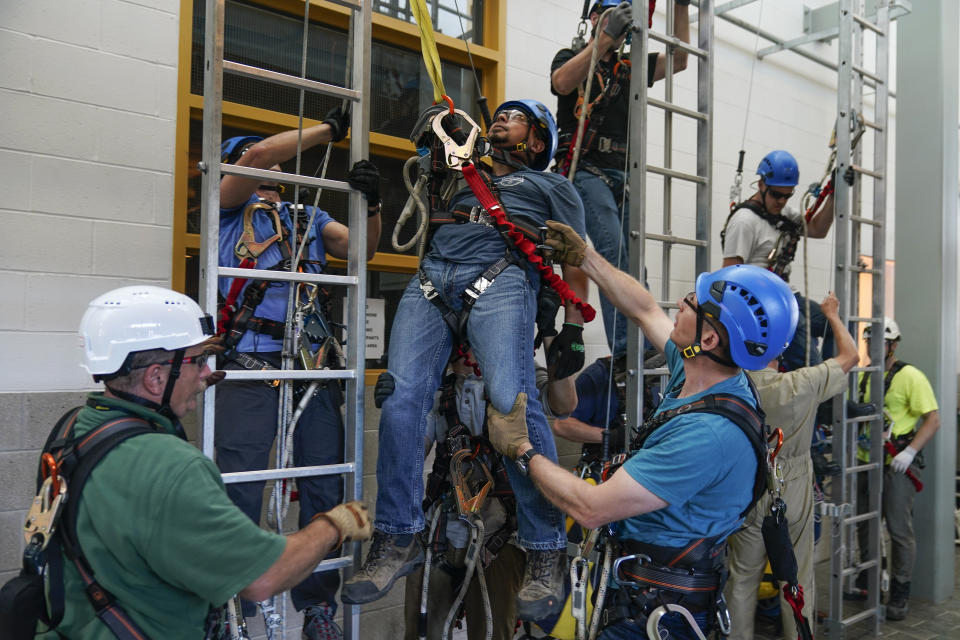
(793, 106)
(88, 97)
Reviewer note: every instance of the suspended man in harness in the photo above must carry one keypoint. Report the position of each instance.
(152, 542)
(694, 470)
(790, 401)
(261, 230)
(596, 158)
(912, 418)
(764, 231)
(475, 286)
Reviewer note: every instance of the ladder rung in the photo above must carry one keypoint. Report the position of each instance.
(866, 466)
(291, 374)
(690, 242)
(873, 125)
(869, 320)
(877, 175)
(868, 74)
(849, 571)
(662, 371)
(293, 472)
(669, 106)
(676, 43)
(859, 419)
(286, 276)
(866, 614)
(676, 174)
(280, 176)
(869, 515)
(286, 80)
(334, 564)
(866, 24)
(872, 223)
(875, 272)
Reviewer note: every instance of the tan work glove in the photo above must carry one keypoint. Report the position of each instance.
(508, 432)
(567, 245)
(351, 519)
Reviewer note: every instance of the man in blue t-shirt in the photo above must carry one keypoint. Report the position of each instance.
(500, 330)
(257, 232)
(692, 478)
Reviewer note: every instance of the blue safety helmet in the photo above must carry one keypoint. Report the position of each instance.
(606, 4)
(755, 306)
(542, 121)
(779, 169)
(232, 148)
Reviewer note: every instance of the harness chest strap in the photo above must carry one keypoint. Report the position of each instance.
(521, 243)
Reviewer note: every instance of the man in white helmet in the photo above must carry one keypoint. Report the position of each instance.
(912, 417)
(154, 522)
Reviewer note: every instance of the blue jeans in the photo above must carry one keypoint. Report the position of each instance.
(795, 356)
(246, 418)
(674, 624)
(609, 232)
(500, 331)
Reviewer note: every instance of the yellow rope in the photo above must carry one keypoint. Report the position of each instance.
(429, 47)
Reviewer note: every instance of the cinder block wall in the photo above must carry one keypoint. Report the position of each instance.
(88, 96)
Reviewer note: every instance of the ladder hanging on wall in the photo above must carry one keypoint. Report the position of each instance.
(851, 224)
(355, 282)
(639, 169)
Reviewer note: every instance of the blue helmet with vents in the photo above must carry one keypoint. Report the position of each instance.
(232, 148)
(755, 306)
(779, 169)
(542, 121)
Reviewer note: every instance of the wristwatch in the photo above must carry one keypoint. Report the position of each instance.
(523, 461)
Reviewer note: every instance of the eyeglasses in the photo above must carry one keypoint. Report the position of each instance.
(199, 361)
(515, 115)
(779, 195)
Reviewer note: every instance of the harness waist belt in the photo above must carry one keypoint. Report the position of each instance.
(478, 215)
(272, 328)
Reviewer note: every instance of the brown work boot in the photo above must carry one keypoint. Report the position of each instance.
(541, 593)
(390, 557)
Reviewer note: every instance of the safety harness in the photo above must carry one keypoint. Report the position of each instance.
(51, 526)
(790, 233)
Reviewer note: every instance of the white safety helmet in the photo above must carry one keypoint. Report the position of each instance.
(890, 330)
(138, 318)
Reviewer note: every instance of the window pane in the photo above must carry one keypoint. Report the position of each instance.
(451, 17)
(400, 86)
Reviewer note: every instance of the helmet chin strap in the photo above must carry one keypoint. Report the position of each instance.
(163, 408)
(695, 349)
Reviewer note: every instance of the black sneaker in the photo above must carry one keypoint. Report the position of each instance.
(898, 605)
(541, 593)
(318, 623)
(390, 557)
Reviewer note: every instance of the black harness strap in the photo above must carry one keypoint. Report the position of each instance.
(750, 420)
(887, 379)
(462, 214)
(789, 228)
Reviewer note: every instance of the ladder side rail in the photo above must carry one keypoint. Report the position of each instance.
(842, 483)
(637, 181)
(210, 179)
(355, 305)
(705, 40)
(666, 222)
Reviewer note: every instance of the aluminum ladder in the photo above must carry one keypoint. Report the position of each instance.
(354, 282)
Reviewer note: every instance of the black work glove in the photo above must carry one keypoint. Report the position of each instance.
(339, 121)
(547, 306)
(365, 178)
(618, 20)
(566, 354)
(383, 389)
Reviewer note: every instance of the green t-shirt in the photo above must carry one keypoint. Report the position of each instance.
(160, 533)
(909, 398)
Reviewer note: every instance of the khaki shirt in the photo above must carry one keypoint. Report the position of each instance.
(790, 400)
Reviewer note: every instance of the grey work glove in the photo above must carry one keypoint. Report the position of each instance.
(339, 121)
(566, 244)
(352, 520)
(618, 20)
(508, 432)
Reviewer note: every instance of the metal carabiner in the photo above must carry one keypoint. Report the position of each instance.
(45, 509)
(639, 557)
(456, 155)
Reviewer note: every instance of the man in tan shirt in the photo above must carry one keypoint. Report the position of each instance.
(790, 401)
